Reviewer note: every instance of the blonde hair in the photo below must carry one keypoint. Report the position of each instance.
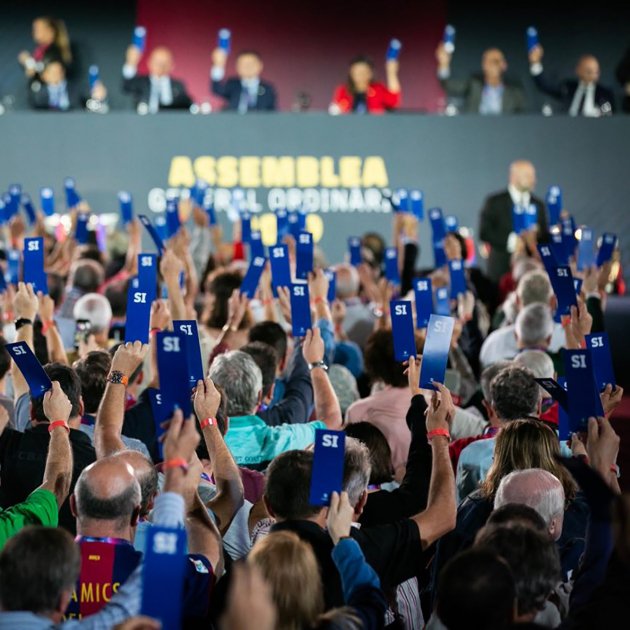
(523, 444)
(62, 39)
(290, 567)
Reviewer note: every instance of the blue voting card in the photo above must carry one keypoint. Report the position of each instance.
(172, 217)
(252, 277)
(393, 50)
(577, 283)
(139, 37)
(423, 293)
(448, 39)
(126, 206)
(160, 227)
(4, 212)
(518, 218)
(439, 254)
(246, 227)
(586, 254)
(548, 257)
(94, 76)
(224, 39)
(47, 201)
(160, 415)
(416, 201)
(555, 390)
(208, 206)
(437, 225)
(280, 268)
(558, 249)
(9, 207)
(34, 264)
(328, 461)
(599, 346)
(354, 247)
(562, 283)
(300, 309)
(530, 216)
(607, 248)
(451, 223)
(532, 38)
(172, 359)
(163, 574)
(193, 349)
(569, 241)
(435, 353)
(256, 247)
(554, 204)
(391, 265)
(458, 278)
(282, 224)
(13, 266)
(72, 196)
(27, 204)
(442, 301)
(563, 414)
(15, 196)
(297, 223)
(401, 200)
(402, 330)
(139, 298)
(32, 370)
(147, 274)
(584, 399)
(303, 255)
(3, 283)
(331, 276)
(198, 192)
(81, 233)
(155, 237)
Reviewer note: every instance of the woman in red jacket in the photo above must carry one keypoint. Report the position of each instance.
(362, 95)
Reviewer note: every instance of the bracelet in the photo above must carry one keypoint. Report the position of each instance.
(207, 422)
(438, 433)
(58, 423)
(227, 326)
(177, 462)
(46, 326)
(615, 469)
(23, 321)
(318, 364)
(267, 302)
(154, 331)
(319, 299)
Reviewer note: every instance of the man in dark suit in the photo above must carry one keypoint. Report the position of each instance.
(488, 93)
(247, 92)
(158, 90)
(582, 96)
(495, 224)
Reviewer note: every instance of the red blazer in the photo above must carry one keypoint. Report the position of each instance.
(379, 99)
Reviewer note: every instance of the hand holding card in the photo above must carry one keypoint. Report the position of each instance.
(327, 471)
(32, 370)
(436, 349)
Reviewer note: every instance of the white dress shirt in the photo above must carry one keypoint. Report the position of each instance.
(583, 103)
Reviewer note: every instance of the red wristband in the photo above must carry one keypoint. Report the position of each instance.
(207, 422)
(319, 299)
(154, 331)
(438, 432)
(46, 326)
(58, 423)
(177, 462)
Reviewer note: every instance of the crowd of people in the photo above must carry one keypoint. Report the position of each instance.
(53, 85)
(459, 507)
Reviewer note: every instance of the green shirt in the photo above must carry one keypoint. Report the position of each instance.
(40, 508)
(251, 441)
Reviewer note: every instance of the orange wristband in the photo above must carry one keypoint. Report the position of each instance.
(46, 326)
(154, 331)
(177, 462)
(438, 432)
(58, 423)
(319, 299)
(207, 422)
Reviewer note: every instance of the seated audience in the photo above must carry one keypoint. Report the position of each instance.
(53, 45)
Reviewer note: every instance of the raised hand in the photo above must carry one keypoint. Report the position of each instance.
(206, 399)
(339, 519)
(129, 357)
(57, 405)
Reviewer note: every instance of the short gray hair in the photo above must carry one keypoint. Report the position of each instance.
(534, 324)
(538, 362)
(488, 374)
(241, 379)
(357, 469)
(347, 284)
(535, 487)
(534, 287)
(96, 309)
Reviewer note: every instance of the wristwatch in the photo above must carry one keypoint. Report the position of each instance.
(318, 364)
(116, 377)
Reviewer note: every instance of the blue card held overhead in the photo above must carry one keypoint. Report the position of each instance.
(300, 309)
(327, 470)
(439, 254)
(568, 237)
(555, 390)
(172, 359)
(224, 39)
(139, 298)
(562, 283)
(282, 224)
(256, 247)
(599, 346)
(81, 233)
(577, 283)
(606, 249)
(442, 302)
(147, 273)
(416, 201)
(160, 415)
(32, 370)
(208, 206)
(331, 276)
(393, 50)
(584, 399)
(530, 216)
(518, 218)
(423, 293)
(554, 204)
(280, 269)
(402, 330)
(155, 237)
(557, 248)
(563, 414)
(15, 194)
(532, 38)
(391, 266)
(448, 39)
(252, 277)
(436, 348)
(354, 247)
(72, 196)
(139, 38)
(27, 204)
(34, 264)
(458, 278)
(13, 266)
(297, 223)
(172, 217)
(437, 224)
(126, 206)
(163, 574)
(246, 227)
(401, 200)
(47, 200)
(303, 255)
(451, 223)
(193, 349)
(93, 76)
(586, 254)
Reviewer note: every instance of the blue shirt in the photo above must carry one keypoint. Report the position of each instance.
(491, 100)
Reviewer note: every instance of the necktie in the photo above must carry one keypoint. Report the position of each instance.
(578, 100)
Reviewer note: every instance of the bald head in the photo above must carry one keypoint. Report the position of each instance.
(145, 473)
(523, 175)
(587, 69)
(537, 489)
(347, 282)
(160, 62)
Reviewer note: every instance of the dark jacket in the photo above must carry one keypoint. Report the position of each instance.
(231, 90)
(140, 88)
(564, 91)
(39, 98)
(623, 76)
(471, 90)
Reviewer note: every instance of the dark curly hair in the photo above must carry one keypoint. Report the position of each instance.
(380, 364)
(514, 393)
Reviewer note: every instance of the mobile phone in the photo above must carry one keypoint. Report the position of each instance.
(82, 330)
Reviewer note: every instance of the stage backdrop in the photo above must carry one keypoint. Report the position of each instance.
(334, 166)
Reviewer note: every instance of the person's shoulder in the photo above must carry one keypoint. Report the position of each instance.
(499, 196)
(471, 453)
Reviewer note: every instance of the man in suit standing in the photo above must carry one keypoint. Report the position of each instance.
(158, 90)
(488, 93)
(582, 96)
(247, 92)
(495, 225)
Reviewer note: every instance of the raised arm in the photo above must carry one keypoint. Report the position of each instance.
(25, 306)
(54, 342)
(170, 268)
